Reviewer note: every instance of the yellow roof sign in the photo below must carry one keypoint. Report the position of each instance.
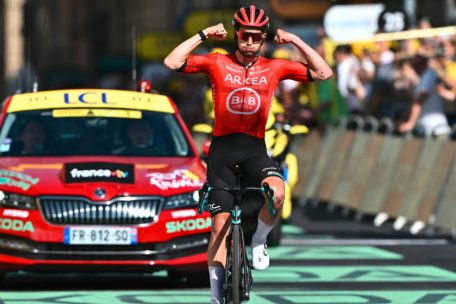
(90, 98)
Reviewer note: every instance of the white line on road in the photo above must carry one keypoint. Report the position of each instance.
(379, 242)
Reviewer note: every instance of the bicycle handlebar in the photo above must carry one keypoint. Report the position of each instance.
(265, 188)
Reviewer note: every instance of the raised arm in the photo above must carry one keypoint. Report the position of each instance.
(320, 70)
(415, 112)
(177, 57)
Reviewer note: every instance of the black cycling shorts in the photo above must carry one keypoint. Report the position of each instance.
(224, 153)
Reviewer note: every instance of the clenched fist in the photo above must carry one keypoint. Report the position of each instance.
(216, 32)
(283, 37)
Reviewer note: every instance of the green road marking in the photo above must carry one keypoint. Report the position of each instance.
(331, 253)
(291, 229)
(315, 274)
(356, 297)
(295, 232)
(257, 297)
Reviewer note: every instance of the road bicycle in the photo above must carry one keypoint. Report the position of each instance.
(238, 276)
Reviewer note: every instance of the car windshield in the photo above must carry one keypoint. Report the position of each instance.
(112, 132)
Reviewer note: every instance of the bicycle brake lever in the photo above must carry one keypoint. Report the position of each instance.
(270, 194)
(202, 197)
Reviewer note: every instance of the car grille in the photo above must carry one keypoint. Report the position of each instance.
(119, 211)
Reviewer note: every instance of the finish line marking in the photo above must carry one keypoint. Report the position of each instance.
(257, 297)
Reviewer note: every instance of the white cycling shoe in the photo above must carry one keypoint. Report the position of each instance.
(260, 256)
(215, 301)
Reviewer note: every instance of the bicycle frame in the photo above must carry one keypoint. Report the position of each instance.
(238, 278)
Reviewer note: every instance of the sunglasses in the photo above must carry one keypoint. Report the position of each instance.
(257, 37)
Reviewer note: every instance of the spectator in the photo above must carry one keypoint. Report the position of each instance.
(386, 54)
(446, 93)
(367, 71)
(348, 80)
(404, 84)
(382, 96)
(288, 90)
(427, 110)
(327, 105)
(445, 67)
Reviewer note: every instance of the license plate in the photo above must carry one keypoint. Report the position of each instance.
(100, 235)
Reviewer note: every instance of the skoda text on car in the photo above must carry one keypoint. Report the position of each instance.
(99, 180)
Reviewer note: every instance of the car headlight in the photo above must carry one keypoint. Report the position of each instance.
(17, 201)
(186, 200)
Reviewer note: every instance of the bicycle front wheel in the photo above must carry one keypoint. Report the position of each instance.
(236, 266)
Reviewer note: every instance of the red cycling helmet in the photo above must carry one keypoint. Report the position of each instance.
(251, 16)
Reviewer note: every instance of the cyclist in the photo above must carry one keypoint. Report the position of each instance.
(243, 85)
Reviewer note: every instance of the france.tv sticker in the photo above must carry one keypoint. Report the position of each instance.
(99, 172)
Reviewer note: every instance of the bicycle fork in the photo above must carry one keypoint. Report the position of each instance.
(247, 280)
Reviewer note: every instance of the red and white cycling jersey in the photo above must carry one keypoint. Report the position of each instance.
(242, 96)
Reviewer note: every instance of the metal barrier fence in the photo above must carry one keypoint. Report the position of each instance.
(361, 166)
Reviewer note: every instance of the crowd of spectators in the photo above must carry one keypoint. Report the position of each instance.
(410, 81)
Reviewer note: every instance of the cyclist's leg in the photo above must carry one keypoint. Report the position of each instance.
(265, 170)
(219, 174)
(260, 169)
(220, 204)
(216, 254)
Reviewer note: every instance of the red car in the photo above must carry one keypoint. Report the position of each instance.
(99, 180)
